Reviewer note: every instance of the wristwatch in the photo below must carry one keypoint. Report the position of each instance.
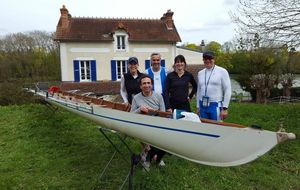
(224, 108)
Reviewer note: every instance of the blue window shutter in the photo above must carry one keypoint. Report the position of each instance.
(76, 70)
(93, 70)
(147, 64)
(113, 70)
(163, 63)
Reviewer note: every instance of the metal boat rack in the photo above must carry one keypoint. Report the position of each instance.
(134, 159)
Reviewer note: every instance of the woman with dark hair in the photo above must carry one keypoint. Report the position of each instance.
(130, 81)
(177, 86)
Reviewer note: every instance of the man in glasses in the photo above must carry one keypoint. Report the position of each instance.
(214, 90)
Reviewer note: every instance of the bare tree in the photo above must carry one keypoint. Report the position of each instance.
(287, 81)
(276, 21)
(29, 55)
(263, 84)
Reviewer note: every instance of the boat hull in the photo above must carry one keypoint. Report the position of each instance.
(203, 143)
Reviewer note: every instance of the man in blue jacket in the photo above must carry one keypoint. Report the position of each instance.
(157, 73)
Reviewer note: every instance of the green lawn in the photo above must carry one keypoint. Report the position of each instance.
(43, 149)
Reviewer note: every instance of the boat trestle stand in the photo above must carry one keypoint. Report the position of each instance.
(134, 160)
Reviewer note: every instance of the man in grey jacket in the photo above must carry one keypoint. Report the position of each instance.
(142, 103)
(147, 99)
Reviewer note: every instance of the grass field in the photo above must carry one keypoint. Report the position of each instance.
(45, 149)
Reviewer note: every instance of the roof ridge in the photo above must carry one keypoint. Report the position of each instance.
(118, 18)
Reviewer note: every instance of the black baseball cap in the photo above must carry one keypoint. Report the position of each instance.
(133, 60)
(209, 55)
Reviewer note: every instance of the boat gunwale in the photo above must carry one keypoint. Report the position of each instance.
(93, 101)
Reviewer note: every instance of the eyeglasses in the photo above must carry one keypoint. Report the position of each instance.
(155, 60)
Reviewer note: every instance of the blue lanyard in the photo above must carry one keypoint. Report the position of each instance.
(206, 83)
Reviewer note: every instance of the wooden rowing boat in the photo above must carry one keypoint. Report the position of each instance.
(208, 142)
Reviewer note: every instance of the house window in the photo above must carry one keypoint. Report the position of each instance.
(121, 43)
(85, 71)
(121, 68)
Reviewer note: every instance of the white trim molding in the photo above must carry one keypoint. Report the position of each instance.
(150, 50)
(89, 50)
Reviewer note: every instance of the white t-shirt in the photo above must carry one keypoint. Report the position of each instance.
(157, 80)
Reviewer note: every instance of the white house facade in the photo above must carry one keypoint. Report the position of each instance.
(97, 49)
(84, 62)
(192, 57)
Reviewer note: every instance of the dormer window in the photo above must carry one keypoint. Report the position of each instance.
(121, 42)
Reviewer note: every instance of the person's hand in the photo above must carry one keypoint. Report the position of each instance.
(126, 103)
(224, 114)
(197, 111)
(144, 109)
(169, 110)
(147, 147)
(154, 158)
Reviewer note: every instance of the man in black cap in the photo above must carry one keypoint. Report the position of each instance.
(214, 89)
(130, 81)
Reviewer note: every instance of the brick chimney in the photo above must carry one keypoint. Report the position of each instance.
(167, 18)
(64, 17)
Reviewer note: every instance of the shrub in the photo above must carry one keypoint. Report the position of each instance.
(12, 93)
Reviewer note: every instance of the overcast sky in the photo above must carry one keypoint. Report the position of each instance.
(195, 20)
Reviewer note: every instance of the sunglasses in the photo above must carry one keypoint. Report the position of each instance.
(207, 57)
